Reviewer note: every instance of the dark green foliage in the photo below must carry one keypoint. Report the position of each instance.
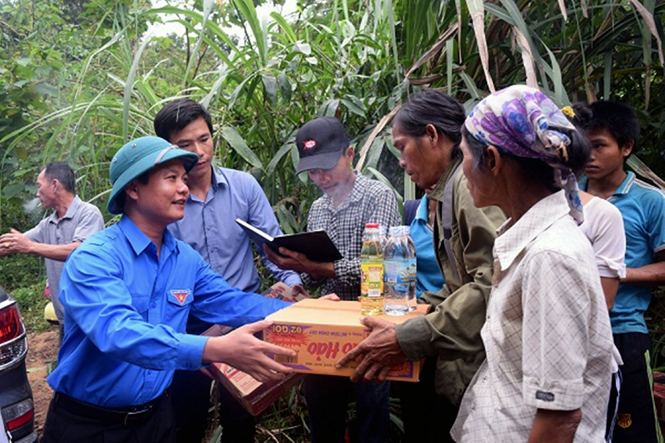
(18, 271)
(31, 302)
(78, 79)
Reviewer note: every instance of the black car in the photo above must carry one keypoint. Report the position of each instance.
(16, 406)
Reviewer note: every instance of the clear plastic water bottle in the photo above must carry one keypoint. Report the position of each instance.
(412, 269)
(383, 232)
(371, 267)
(399, 272)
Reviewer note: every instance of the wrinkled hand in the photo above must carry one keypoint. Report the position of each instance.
(333, 297)
(15, 242)
(381, 351)
(242, 350)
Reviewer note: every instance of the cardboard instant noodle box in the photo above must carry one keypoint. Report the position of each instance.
(322, 332)
(253, 395)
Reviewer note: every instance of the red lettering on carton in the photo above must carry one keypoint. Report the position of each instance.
(348, 347)
(323, 331)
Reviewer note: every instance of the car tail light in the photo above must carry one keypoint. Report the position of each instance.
(12, 337)
(10, 324)
(18, 414)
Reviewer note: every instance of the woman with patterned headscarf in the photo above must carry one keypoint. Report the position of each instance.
(547, 334)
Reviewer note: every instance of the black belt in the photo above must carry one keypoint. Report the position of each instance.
(125, 416)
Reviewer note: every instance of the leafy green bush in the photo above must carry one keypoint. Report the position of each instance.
(17, 271)
(32, 302)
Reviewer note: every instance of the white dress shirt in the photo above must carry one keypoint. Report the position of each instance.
(547, 334)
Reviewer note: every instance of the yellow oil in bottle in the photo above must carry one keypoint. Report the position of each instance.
(371, 267)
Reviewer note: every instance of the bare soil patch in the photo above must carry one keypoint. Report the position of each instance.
(42, 352)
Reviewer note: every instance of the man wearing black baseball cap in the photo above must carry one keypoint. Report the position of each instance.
(127, 292)
(349, 202)
(321, 142)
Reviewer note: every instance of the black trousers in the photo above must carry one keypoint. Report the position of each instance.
(427, 417)
(67, 424)
(636, 418)
(190, 396)
(328, 399)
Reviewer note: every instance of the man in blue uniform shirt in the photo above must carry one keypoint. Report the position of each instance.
(127, 292)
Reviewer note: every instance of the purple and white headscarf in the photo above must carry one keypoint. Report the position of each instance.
(519, 120)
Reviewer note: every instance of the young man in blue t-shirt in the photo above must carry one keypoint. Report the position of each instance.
(613, 130)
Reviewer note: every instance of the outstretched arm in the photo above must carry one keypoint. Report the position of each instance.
(15, 242)
(452, 329)
(242, 350)
(111, 303)
(649, 275)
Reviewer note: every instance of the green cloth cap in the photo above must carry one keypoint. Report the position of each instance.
(139, 156)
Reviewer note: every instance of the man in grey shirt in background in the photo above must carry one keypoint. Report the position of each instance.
(56, 236)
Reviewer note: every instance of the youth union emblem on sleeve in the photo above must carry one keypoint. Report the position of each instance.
(180, 294)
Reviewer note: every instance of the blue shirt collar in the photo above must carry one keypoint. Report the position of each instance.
(625, 185)
(218, 178)
(139, 241)
(421, 214)
(623, 188)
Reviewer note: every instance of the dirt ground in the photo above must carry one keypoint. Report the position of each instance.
(42, 350)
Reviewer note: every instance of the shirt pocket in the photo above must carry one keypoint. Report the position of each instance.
(179, 298)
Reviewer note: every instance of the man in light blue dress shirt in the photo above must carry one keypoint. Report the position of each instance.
(217, 197)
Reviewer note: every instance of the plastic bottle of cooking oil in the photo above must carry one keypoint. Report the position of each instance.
(371, 276)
